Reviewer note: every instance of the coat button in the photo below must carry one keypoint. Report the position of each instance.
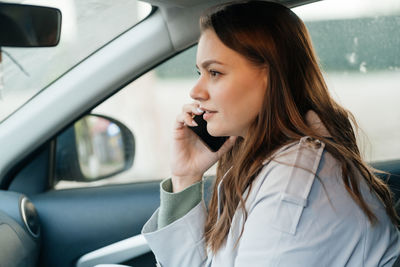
(313, 142)
(317, 143)
(309, 139)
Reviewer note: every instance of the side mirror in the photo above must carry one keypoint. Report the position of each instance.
(95, 147)
(29, 26)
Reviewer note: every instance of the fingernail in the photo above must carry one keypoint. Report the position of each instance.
(194, 123)
(200, 110)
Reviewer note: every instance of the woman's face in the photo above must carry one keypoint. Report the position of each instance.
(230, 88)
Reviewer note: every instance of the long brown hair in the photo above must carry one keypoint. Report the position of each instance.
(271, 35)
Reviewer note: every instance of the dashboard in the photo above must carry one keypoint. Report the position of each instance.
(19, 230)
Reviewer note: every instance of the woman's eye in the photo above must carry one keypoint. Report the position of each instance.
(214, 73)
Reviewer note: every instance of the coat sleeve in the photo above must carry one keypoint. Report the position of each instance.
(175, 231)
(175, 205)
(180, 243)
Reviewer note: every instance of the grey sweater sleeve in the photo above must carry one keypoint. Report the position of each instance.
(175, 205)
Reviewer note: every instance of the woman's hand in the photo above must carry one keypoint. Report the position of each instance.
(190, 157)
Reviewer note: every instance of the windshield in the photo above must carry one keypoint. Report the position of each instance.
(86, 26)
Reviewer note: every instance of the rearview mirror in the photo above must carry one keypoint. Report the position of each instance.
(29, 26)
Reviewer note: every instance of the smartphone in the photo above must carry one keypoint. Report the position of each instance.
(212, 142)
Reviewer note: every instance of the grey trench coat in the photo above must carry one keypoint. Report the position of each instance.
(294, 219)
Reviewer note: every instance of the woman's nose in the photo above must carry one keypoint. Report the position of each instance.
(198, 92)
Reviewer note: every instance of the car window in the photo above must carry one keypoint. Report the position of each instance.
(358, 44)
(358, 47)
(148, 107)
(86, 26)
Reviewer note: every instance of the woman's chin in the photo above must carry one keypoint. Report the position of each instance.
(212, 131)
(216, 131)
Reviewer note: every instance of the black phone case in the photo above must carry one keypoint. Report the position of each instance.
(212, 142)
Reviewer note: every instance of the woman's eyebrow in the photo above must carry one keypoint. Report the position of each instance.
(207, 63)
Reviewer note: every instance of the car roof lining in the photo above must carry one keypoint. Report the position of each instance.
(183, 26)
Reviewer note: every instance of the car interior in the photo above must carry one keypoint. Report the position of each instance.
(100, 224)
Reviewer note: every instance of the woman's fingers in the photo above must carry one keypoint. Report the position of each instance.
(192, 109)
(186, 117)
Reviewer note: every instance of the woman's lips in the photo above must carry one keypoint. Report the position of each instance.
(208, 114)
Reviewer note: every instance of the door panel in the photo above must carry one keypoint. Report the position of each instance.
(77, 221)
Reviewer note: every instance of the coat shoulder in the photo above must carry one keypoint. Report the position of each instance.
(285, 182)
(293, 163)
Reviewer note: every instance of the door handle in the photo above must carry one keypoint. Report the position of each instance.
(115, 253)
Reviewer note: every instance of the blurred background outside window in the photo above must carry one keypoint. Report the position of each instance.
(358, 45)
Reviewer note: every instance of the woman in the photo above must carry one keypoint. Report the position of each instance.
(291, 187)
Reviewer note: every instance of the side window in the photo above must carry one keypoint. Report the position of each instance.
(148, 107)
(358, 45)
(359, 52)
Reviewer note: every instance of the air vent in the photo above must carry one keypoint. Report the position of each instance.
(30, 217)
